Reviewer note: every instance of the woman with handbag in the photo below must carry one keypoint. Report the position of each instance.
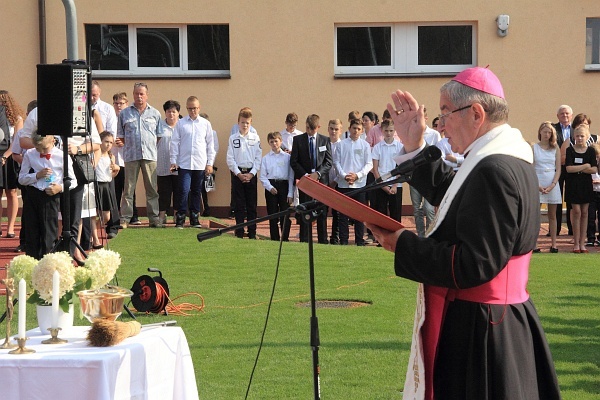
(83, 150)
(11, 121)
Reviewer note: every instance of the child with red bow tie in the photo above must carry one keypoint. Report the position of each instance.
(42, 175)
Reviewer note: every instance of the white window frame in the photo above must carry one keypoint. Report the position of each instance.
(588, 47)
(161, 72)
(404, 49)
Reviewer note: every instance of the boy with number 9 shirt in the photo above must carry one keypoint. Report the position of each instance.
(243, 159)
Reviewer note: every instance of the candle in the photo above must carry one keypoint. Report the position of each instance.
(55, 300)
(22, 303)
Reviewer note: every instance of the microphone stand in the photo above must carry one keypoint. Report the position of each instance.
(309, 212)
(67, 238)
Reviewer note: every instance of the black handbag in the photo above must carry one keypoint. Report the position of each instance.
(4, 130)
(82, 166)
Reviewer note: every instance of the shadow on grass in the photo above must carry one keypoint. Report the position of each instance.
(580, 356)
(393, 345)
(587, 284)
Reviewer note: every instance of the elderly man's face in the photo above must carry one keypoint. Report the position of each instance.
(565, 116)
(460, 134)
(140, 96)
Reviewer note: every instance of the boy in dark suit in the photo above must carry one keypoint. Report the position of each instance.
(311, 156)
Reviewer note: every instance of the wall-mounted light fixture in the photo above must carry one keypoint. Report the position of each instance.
(502, 22)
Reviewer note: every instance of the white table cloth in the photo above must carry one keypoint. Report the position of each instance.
(156, 364)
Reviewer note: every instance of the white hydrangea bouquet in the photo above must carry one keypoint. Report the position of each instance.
(99, 269)
(21, 267)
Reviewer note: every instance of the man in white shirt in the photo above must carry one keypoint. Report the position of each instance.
(106, 111)
(193, 152)
(563, 134)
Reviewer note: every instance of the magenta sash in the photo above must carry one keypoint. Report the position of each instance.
(496, 291)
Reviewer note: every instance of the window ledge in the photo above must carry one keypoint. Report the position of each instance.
(393, 75)
(592, 68)
(145, 75)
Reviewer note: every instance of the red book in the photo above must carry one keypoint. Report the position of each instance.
(346, 205)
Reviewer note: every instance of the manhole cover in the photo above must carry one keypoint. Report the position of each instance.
(336, 304)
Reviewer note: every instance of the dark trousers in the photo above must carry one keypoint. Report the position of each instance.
(190, 183)
(277, 203)
(359, 227)
(593, 227)
(388, 204)
(334, 238)
(168, 192)
(75, 205)
(245, 197)
(561, 186)
(41, 223)
(321, 222)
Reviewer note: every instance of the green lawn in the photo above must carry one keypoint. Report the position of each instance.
(364, 350)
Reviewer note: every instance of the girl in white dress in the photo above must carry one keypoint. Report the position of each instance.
(546, 155)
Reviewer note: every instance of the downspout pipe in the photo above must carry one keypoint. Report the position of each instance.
(42, 31)
(71, 19)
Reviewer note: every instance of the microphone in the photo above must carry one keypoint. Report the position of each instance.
(427, 156)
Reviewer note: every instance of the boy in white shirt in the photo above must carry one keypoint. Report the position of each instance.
(287, 135)
(353, 162)
(388, 199)
(277, 177)
(243, 159)
(44, 185)
(287, 141)
(423, 211)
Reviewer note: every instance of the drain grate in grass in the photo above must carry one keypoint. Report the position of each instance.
(336, 304)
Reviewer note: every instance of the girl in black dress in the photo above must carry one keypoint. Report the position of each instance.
(580, 163)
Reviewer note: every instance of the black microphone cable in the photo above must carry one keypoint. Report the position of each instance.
(286, 223)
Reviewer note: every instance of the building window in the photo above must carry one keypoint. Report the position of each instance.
(142, 50)
(364, 46)
(592, 44)
(445, 45)
(404, 49)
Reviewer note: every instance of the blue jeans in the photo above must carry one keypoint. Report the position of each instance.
(421, 208)
(190, 182)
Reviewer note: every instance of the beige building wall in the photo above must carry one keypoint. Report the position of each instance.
(282, 58)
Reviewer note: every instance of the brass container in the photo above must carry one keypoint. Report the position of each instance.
(105, 303)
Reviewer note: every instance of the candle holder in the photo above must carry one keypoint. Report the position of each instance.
(8, 344)
(54, 337)
(22, 349)
(10, 290)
